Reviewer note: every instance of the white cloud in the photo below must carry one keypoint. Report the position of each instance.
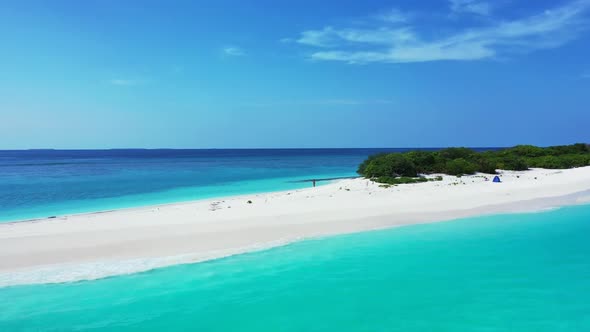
(470, 6)
(330, 37)
(233, 51)
(549, 29)
(319, 38)
(393, 16)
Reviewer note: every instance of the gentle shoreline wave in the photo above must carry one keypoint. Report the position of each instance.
(523, 271)
(68, 273)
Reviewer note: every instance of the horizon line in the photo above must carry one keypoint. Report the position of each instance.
(280, 148)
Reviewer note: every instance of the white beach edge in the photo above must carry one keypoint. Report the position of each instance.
(96, 245)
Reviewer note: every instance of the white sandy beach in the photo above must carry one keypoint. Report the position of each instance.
(89, 246)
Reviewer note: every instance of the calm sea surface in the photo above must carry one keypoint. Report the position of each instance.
(42, 183)
(522, 272)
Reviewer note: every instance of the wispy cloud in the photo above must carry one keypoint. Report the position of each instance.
(549, 29)
(330, 37)
(470, 6)
(393, 16)
(233, 51)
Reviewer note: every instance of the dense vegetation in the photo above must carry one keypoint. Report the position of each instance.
(405, 179)
(396, 168)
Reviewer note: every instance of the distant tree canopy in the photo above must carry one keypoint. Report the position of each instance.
(385, 167)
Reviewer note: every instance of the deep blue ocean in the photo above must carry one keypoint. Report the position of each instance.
(43, 183)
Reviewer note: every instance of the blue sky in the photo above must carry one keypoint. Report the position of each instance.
(221, 74)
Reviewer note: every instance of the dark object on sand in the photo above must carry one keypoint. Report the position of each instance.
(497, 179)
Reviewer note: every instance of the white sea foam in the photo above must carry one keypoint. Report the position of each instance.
(65, 273)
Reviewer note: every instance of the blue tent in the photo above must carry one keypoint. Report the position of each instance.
(497, 179)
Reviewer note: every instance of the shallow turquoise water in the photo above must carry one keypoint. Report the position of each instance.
(522, 272)
(43, 183)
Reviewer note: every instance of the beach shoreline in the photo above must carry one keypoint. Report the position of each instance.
(321, 181)
(106, 243)
(152, 206)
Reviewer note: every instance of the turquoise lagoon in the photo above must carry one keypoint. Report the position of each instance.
(517, 272)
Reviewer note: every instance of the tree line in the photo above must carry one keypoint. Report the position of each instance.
(407, 167)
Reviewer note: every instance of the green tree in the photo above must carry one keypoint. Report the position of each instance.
(425, 161)
(513, 163)
(456, 153)
(389, 165)
(398, 168)
(460, 166)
